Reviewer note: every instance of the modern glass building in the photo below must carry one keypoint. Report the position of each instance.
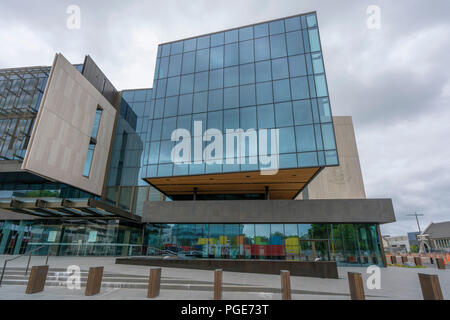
(233, 154)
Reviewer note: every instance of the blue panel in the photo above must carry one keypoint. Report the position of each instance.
(283, 113)
(264, 93)
(305, 138)
(231, 76)
(262, 49)
(266, 117)
(247, 73)
(231, 97)
(231, 54)
(278, 46)
(263, 71)
(246, 52)
(247, 95)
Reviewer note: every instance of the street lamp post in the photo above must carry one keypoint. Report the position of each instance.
(415, 214)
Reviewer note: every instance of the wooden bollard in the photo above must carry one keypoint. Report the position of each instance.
(394, 259)
(418, 261)
(286, 285)
(431, 288)
(356, 286)
(154, 283)
(218, 284)
(404, 259)
(440, 263)
(36, 282)
(94, 281)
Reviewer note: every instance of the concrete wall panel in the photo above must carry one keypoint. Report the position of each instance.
(61, 134)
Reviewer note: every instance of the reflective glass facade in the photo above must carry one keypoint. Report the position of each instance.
(70, 238)
(264, 76)
(345, 243)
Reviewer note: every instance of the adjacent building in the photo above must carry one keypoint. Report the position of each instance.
(233, 154)
(436, 237)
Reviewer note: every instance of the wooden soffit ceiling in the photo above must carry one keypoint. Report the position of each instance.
(286, 184)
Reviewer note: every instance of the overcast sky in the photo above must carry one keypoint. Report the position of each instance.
(394, 81)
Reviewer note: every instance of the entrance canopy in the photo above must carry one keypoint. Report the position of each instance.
(66, 208)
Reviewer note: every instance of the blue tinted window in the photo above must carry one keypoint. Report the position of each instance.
(180, 169)
(201, 81)
(165, 151)
(283, 114)
(317, 62)
(324, 109)
(292, 24)
(247, 95)
(200, 102)
(261, 30)
(246, 52)
(216, 79)
(171, 107)
(314, 40)
(184, 122)
(217, 39)
(159, 109)
(297, 66)
(188, 62)
(231, 119)
(187, 84)
(231, 77)
(312, 87)
(202, 63)
(96, 125)
(247, 73)
(300, 89)
(140, 95)
(88, 161)
(311, 20)
(246, 33)
(262, 49)
(328, 136)
(185, 106)
(276, 27)
(231, 36)
(302, 112)
(280, 69)
(321, 86)
(196, 168)
(278, 46)
(161, 92)
(281, 90)
(331, 158)
(203, 42)
(308, 159)
(216, 58)
(306, 41)
(190, 45)
(164, 67)
(199, 117)
(215, 99)
(263, 71)
(305, 138)
(231, 55)
(231, 97)
(165, 50)
(264, 93)
(173, 86)
(156, 130)
(248, 118)
(154, 153)
(318, 133)
(176, 48)
(287, 137)
(215, 120)
(294, 43)
(266, 117)
(169, 125)
(288, 161)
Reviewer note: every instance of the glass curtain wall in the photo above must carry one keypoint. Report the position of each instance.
(348, 244)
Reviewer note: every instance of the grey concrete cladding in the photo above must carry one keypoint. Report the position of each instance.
(271, 211)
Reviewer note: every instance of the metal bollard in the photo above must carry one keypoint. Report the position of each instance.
(286, 285)
(154, 283)
(431, 288)
(218, 284)
(356, 286)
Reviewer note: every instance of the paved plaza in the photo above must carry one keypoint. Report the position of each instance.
(129, 282)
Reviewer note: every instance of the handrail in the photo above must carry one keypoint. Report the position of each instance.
(22, 255)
